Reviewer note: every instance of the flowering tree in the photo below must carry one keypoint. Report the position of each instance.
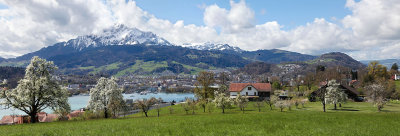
(222, 101)
(259, 105)
(241, 102)
(37, 90)
(203, 104)
(376, 95)
(334, 94)
(271, 100)
(4, 82)
(280, 104)
(192, 104)
(145, 104)
(106, 96)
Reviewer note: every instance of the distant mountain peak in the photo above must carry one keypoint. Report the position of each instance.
(212, 46)
(118, 34)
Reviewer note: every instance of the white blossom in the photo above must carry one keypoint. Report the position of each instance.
(222, 101)
(241, 102)
(376, 95)
(334, 95)
(105, 96)
(37, 90)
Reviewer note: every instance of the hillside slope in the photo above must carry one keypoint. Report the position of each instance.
(143, 59)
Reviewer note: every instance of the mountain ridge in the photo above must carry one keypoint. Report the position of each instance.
(129, 50)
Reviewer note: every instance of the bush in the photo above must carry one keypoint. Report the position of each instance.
(394, 101)
(210, 107)
(171, 109)
(87, 115)
(280, 104)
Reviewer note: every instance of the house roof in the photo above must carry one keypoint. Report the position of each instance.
(8, 119)
(49, 118)
(351, 89)
(261, 87)
(75, 113)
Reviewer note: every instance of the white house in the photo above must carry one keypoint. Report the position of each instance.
(250, 90)
(396, 77)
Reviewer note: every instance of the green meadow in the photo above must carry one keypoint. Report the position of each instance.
(350, 119)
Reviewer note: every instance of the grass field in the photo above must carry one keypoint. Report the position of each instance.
(351, 119)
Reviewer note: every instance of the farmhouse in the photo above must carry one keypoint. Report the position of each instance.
(396, 77)
(250, 90)
(351, 92)
(21, 119)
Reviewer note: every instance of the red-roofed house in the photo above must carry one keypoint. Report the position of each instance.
(75, 113)
(44, 117)
(14, 119)
(251, 90)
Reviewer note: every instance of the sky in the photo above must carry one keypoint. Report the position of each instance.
(364, 29)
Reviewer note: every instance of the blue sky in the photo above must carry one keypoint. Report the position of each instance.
(290, 13)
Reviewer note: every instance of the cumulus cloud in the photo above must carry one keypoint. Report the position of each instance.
(30, 25)
(374, 19)
(239, 17)
(372, 28)
(319, 36)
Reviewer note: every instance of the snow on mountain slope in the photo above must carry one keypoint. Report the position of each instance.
(117, 35)
(212, 46)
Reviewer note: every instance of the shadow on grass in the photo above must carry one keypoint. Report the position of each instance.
(347, 107)
(387, 111)
(343, 109)
(390, 105)
(347, 110)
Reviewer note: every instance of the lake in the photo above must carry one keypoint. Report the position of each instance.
(81, 101)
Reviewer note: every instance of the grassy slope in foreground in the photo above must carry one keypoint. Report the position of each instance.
(353, 119)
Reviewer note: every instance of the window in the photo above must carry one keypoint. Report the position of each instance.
(248, 88)
(234, 94)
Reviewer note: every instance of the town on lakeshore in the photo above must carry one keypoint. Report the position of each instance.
(336, 85)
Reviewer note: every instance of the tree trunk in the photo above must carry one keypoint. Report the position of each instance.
(33, 115)
(270, 106)
(335, 107)
(145, 113)
(340, 104)
(105, 113)
(243, 110)
(205, 92)
(204, 109)
(223, 110)
(158, 113)
(259, 109)
(323, 106)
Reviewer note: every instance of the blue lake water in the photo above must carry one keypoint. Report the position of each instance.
(81, 101)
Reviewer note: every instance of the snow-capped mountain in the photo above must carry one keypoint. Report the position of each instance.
(117, 35)
(212, 46)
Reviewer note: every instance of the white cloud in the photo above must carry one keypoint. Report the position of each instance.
(374, 19)
(30, 25)
(372, 28)
(239, 17)
(318, 37)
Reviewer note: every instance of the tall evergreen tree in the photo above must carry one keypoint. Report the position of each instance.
(395, 67)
